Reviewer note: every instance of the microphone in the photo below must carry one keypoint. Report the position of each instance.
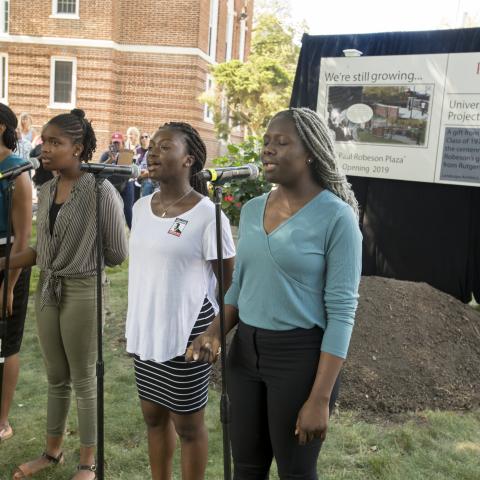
(14, 172)
(225, 174)
(107, 169)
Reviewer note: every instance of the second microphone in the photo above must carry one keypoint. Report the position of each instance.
(221, 175)
(107, 170)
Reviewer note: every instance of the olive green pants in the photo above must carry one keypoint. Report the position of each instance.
(68, 339)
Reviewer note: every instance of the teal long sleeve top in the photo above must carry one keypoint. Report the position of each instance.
(305, 273)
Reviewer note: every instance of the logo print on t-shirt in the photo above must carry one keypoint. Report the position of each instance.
(177, 228)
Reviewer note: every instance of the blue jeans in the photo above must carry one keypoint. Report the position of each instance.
(127, 196)
(147, 187)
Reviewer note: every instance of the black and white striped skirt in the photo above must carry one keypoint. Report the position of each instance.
(179, 386)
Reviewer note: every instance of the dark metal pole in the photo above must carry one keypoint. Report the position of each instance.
(6, 274)
(100, 365)
(225, 401)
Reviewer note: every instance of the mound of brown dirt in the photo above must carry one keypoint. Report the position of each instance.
(413, 348)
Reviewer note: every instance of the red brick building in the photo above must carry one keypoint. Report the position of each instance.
(125, 62)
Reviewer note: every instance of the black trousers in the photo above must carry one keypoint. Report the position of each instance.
(271, 374)
(15, 323)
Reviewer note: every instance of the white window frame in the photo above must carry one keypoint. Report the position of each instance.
(71, 16)
(58, 105)
(4, 78)
(229, 32)
(213, 29)
(207, 111)
(4, 12)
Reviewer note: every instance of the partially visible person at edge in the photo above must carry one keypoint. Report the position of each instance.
(26, 127)
(171, 298)
(65, 304)
(294, 295)
(19, 279)
(123, 185)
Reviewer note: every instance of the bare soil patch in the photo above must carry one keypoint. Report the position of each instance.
(413, 348)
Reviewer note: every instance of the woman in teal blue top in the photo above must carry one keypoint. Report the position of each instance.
(17, 295)
(294, 296)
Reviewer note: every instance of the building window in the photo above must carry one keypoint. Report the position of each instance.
(3, 79)
(212, 29)
(65, 8)
(4, 4)
(63, 79)
(229, 33)
(208, 111)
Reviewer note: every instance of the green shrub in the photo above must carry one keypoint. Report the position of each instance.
(235, 194)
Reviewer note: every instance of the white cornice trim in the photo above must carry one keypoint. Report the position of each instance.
(120, 47)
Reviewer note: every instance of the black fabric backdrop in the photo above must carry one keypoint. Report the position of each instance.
(412, 231)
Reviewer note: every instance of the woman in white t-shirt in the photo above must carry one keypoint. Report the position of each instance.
(171, 297)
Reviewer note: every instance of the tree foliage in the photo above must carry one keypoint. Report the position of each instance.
(248, 93)
(235, 194)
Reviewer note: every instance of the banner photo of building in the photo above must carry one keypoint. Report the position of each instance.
(409, 117)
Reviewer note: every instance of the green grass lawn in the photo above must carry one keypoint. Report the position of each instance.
(425, 445)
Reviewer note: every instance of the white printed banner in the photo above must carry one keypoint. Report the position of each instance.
(405, 117)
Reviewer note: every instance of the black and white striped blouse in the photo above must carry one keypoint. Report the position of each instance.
(70, 250)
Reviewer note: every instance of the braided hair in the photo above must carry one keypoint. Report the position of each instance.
(79, 129)
(196, 148)
(318, 141)
(8, 118)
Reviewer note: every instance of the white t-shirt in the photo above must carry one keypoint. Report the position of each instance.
(169, 276)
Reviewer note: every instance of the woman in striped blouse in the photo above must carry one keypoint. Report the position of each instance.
(65, 301)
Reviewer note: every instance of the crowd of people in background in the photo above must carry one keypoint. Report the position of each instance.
(123, 148)
(123, 151)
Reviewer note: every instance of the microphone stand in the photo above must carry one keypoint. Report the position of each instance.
(100, 368)
(225, 401)
(100, 177)
(6, 275)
